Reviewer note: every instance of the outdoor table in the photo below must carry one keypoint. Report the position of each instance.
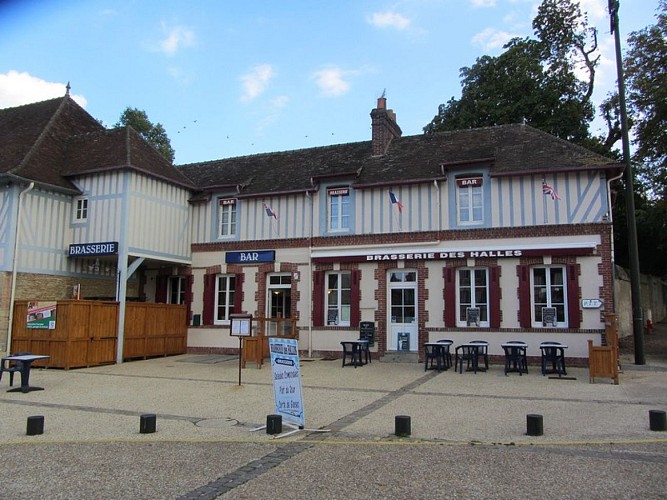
(553, 353)
(354, 349)
(438, 354)
(470, 353)
(26, 360)
(515, 357)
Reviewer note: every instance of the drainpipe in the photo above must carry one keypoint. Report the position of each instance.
(310, 280)
(611, 222)
(17, 237)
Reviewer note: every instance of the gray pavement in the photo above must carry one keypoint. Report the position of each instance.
(468, 433)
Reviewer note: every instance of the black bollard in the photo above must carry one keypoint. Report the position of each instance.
(657, 420)
(402, 425)
(274, 424)
(147, 423)
(35, 425)
(534, 425)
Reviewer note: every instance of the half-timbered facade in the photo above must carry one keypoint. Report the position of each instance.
(500, 233)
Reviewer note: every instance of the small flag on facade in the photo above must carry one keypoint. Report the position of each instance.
(547, 189)
(270, 212)
(396, 201)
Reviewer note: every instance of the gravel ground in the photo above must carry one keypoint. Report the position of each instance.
(468, 433)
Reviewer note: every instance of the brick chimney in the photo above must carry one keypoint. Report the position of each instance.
(384, 127)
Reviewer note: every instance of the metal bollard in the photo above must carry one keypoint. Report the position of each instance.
(402, 425)
(534, 425)
(657, 420)
(274, 424)
(147, 423)
(35, 425)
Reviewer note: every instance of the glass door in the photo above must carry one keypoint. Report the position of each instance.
(402, 311)
(279, 304)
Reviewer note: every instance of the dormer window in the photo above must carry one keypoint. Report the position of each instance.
(226, 217)
(470, 200)
(338, 199)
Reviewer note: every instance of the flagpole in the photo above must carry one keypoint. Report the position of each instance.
(544, 202)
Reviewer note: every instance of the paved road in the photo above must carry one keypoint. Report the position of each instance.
(468, 433)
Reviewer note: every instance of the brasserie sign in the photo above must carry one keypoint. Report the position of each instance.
(85, 249)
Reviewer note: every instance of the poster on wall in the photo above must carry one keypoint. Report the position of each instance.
(41, 315)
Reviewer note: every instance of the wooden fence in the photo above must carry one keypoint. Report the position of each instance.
(85, 333)
(603, 360)
(256, 347)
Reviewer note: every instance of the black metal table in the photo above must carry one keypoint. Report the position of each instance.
(515, 357)
(26, 362)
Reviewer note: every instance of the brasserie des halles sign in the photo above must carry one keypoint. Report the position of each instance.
(456, 254)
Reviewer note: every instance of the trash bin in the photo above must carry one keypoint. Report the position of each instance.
(403, 341)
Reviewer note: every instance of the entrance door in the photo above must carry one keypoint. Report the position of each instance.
(279, 304)
(402, 311)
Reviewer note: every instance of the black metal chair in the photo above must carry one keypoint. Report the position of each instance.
(515, 357)
(352, 352)
(446, 352)
(467, 353)
(482, 351)
(553, 358)
(365, 349)
(11, 367)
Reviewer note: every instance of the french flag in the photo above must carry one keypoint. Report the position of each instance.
(396, 201)
(270, 212)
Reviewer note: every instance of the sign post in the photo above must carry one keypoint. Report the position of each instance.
(240, 326)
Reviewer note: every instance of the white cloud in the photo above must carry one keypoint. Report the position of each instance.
(256, 81)
(331, 81)
(176, 37)
(18, 88)
(483, 3)
(180, 76)
(491, 39)
(273, 112)
(596, 9)
(389, 20)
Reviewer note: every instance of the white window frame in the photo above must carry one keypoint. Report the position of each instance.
(81, 209)
(470, 200)
(225, 286)
(550, 289)
(227, 217)
(338, 298)
(338, 209)
(461, 318)
(176, 289)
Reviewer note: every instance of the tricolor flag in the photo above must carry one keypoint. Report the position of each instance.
(396, 201)
(270, 212)
(547, 189)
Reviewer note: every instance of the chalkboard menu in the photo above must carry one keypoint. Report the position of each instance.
(367, 332)
(549, 316)
(472, 316)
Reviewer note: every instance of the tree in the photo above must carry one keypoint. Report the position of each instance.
(154, 134)
(646, 80)
(534, 81)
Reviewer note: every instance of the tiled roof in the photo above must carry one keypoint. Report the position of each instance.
(506, 149)
(33, 139)
(119, 148)
(50, 141)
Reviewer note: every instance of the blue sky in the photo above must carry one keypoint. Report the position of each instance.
(233, 78)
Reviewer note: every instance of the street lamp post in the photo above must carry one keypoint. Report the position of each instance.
(633, 250)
